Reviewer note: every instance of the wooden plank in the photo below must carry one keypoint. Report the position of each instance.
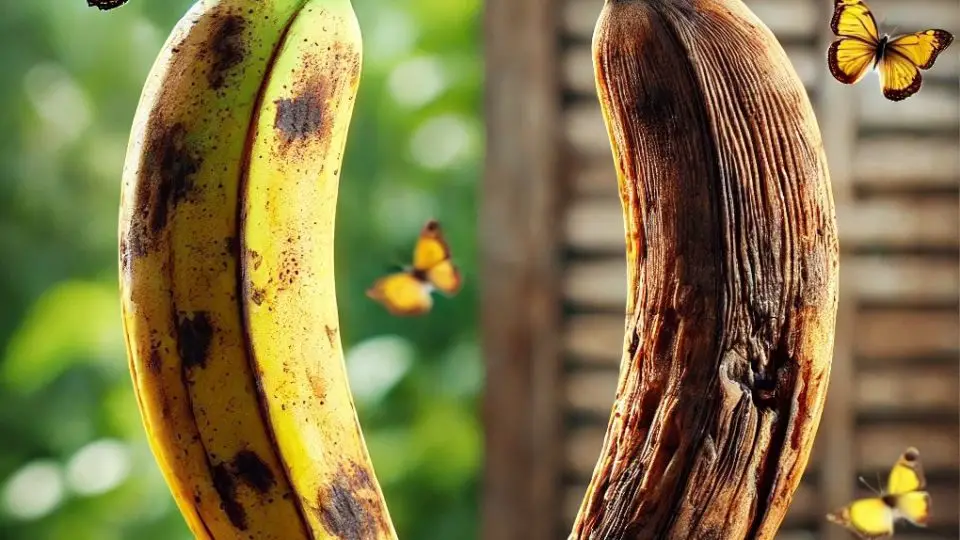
(596, 225)
(910, 16)
(906, 388)
(882, 334)
(591, 392)
(900, 223)
(790, 20)
(572, 497)
(889, 162)
(935, 108)
(907, 162)
(804, 507)
(927, 390)
(904, 279)
(594, 339)
(582, 449)
(518, 253)
(578, 77)
(885, 334)
(601, 285)
(585, 131)
(945, 506)
(836, 112)
(878, 444)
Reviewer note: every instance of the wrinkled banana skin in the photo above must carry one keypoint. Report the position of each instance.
(733, 266)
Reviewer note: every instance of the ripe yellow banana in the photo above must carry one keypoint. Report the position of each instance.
(226, 260)
(732, 262)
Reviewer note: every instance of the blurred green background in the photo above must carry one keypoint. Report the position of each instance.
(74, 463)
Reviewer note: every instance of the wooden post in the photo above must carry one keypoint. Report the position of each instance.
(520, 305)
(838, 124)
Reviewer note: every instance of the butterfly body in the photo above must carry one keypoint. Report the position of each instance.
(898, 59)
(408, 291)
(905, 499)
(881, 49)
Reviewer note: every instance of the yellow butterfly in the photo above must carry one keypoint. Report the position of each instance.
(407, 293)
(861, 49)
(904, 498)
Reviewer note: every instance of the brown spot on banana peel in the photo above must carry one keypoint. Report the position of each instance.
(348, 509)
(331, 334)
(257, 295)
(246, 467)
(227, 45)
(303, 115)
(169, 169)
(226, 487)
(194, 332)
(255, 258)
(249, 468)
(730, 226)
(154, 363)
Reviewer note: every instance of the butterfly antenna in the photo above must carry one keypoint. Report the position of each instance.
(868, 486)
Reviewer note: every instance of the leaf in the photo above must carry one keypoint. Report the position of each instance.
(72, 322)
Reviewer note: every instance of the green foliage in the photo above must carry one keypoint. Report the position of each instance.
(74, 463)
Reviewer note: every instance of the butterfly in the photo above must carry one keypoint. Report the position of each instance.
(904, 498)
(860, 49)
(104, 5)
(407, 292)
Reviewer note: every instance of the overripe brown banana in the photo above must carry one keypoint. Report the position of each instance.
(732, 261)
(226, 261)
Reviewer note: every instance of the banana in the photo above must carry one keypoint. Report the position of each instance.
(732, 259)
(289, 203)
(247, 410)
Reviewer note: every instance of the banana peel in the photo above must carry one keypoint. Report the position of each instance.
(733, 264)
(226, 249)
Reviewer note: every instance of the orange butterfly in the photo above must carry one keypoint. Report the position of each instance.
(407, 293)
(861, 48)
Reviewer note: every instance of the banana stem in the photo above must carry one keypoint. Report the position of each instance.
(732, 261)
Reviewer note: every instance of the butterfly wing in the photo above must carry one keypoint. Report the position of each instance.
(921, 48)
(853, 19)
(903, 59)
(899, 77)
(445, 277)
(867, 518)
(852, 56)
(849, 59)
(432, 257)
(914, 507)
(907, 474)
(431, 248)
(402, 294)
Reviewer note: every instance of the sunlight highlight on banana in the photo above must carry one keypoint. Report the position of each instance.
(229, 309)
